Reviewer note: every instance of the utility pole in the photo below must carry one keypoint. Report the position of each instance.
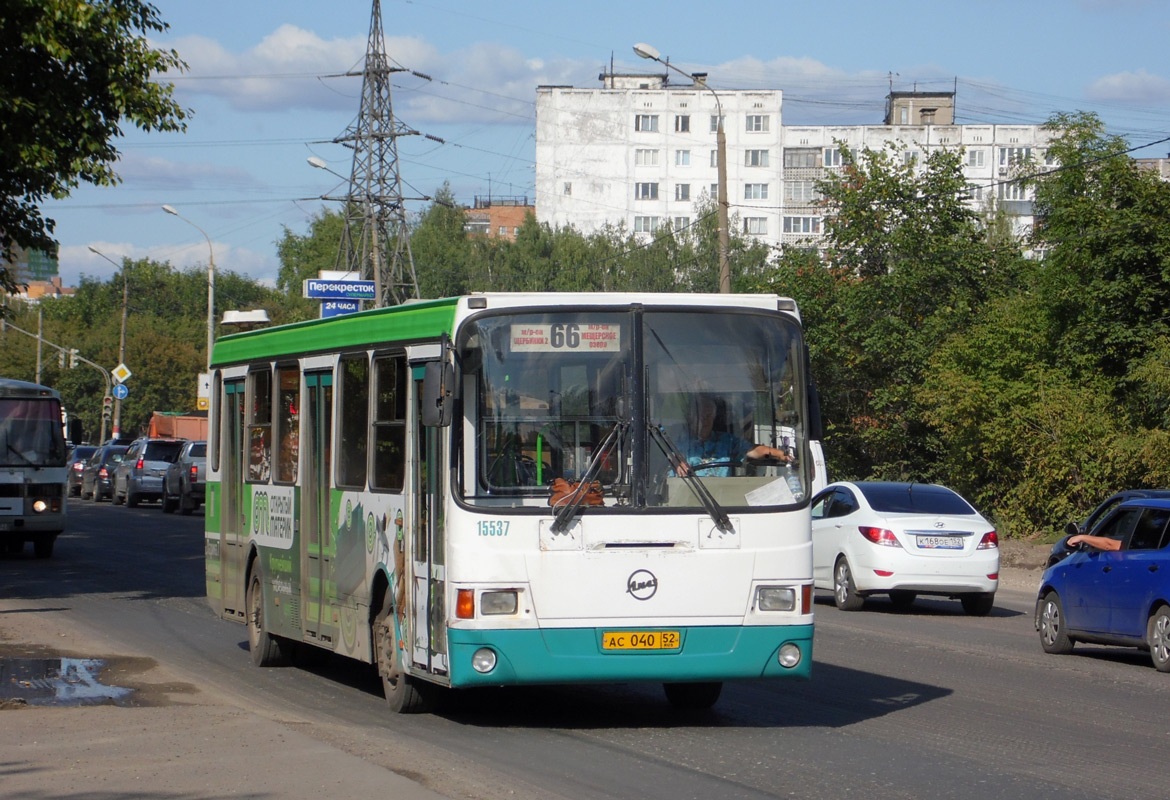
(376, 241)
(122, 339)
(40, 333)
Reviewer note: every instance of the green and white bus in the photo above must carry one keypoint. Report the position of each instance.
(488, 490)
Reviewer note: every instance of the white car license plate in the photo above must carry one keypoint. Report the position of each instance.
(940, 542)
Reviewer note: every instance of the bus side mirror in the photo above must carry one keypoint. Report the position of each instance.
(437, 394)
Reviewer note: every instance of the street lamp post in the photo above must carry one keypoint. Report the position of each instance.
(644, 50)
(122, 342)
(210, 284)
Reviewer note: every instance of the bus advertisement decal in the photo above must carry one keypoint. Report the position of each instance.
(272, 517)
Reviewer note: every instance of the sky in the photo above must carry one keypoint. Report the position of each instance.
(265, 84)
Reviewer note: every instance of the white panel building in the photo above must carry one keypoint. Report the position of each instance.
(640, 151)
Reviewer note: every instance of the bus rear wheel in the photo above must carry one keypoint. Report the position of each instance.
(264, 647)
(693, 696)
(403, 694)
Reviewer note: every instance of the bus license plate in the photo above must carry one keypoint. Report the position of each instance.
(639, 640)
(940, 542)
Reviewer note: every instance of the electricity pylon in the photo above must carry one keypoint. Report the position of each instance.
(376, 241)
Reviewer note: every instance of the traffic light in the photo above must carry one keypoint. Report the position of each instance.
(61, 359)
(72, 359)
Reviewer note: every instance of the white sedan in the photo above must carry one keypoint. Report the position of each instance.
(902, 539)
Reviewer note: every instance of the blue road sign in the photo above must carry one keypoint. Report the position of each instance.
(326, 289)
(335, 308)
(121, 391)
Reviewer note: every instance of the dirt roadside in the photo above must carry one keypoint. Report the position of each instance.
(175, 738)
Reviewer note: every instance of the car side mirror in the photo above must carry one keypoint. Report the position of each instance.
(1072, 529)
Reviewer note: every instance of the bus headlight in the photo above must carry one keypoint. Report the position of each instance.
(775, 598)
(483, 660)
(498, 602)
(40, 506)
(789, 655)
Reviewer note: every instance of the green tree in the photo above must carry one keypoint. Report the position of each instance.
(1057, 394)
(442, 250)
(72, 74)
(908, 263)
(1101, 225)
(305, 256)
(166, 333)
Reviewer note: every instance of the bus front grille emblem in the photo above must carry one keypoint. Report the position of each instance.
(642, 584)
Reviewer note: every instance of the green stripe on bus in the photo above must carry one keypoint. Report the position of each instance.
(412, 322)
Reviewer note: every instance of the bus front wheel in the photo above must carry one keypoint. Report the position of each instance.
(403, 695)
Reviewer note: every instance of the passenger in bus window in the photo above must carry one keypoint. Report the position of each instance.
(702, 443)
(287, 468)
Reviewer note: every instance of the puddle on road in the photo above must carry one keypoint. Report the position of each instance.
(55, 682)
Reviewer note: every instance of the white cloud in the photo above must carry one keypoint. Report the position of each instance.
(281, 72)
(78, 260)
(287, 69)
(1138, 88)
(152, 172)
(485, 82)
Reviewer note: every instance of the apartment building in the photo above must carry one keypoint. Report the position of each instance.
(641, 151)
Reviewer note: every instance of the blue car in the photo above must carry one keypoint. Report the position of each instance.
(1061, 551)
(1113, 597)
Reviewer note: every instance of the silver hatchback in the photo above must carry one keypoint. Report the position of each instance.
(141, 473)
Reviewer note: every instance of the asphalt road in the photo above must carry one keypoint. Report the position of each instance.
(925, 704)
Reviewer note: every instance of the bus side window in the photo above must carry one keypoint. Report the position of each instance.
(260, 425)
(389, 423)
(288, 420)
(355, 421)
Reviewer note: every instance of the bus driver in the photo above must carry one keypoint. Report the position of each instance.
(702, 444)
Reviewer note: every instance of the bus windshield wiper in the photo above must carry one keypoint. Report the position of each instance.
(567, 511)
(677, 459)
(24, 459)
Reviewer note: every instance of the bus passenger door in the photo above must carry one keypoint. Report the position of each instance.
(317, 546)
(233, 536)
(429, 546)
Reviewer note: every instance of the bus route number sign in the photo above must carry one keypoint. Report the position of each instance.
(559, 337)
(640, 640)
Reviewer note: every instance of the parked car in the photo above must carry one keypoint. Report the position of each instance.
(183, 484)
(76, 466)
(902, 540)
(140, 475)
(97, 479)
(1061, 550)
(1113, 597)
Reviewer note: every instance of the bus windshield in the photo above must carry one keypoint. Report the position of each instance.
(643, 402)
(31, 432)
